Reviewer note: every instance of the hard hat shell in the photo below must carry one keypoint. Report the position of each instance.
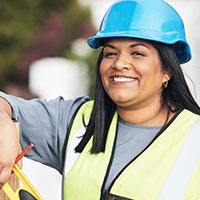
(144, 19)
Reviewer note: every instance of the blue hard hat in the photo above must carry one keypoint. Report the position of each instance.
(144, 19)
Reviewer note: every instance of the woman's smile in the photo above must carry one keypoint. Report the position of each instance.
(121, 79)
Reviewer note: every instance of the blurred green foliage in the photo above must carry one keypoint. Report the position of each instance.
(32, 29)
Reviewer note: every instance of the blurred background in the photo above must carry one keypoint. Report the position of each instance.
(44, 53)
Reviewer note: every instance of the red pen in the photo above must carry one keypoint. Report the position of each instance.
(24, 152)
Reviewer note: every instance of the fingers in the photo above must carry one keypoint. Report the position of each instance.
(6, 170)
(5, 173)
(9, 150)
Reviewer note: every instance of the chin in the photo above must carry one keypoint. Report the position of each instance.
(120, 99)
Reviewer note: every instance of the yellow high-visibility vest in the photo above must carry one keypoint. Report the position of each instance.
(169, 169)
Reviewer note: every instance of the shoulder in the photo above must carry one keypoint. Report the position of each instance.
(188, 114)
(184, 118)
(84, 110)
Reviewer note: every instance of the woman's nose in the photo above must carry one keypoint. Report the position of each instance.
(122, 62)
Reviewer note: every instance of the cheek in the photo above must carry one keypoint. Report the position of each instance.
(151, 75)
(153, 69)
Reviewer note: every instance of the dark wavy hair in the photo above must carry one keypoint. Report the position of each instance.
(177, 95)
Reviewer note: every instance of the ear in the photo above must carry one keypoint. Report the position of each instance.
(166, 76)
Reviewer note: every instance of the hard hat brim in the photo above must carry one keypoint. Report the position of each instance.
(183, 50)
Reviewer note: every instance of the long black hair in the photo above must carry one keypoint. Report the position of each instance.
(177, 95)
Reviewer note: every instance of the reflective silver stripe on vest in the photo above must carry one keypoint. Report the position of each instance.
(71, 156)
(184, 166)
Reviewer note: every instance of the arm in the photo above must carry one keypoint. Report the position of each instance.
(9, 142)
(45, 124)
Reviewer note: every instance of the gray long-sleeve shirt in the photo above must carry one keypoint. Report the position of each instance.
(46, 124)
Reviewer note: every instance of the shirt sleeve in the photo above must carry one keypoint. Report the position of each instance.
(45, 124)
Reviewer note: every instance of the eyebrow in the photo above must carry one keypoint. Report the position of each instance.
(131, 46)
(109, 45)
(139, 44)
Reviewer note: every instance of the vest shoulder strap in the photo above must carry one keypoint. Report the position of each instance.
(76, 130)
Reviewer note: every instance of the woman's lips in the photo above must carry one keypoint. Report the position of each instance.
(122, 79)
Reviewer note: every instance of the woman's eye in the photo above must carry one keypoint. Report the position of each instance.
(110, 54)
(137, 53)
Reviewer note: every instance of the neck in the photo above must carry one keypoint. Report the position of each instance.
(147, 116)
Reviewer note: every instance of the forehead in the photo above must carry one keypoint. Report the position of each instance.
(127, 41)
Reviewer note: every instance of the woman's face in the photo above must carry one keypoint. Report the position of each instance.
(131, 72)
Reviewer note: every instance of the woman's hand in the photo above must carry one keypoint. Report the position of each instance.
(9, 142)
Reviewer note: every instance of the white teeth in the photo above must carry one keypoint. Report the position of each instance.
(122, 79)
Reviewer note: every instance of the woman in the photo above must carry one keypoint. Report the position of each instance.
(139, 138)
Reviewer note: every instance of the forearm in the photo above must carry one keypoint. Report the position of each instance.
(9, 141)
